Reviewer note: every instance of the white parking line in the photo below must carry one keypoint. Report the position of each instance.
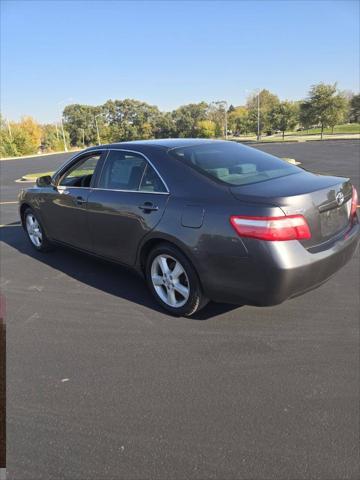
(19, 180)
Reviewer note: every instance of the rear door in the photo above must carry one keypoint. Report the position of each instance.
(127, 202)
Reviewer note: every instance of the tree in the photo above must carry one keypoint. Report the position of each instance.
(284, 116)
(7, 145)
(305, 115)
(238, 120)
(324, 106)
(79, 122)
(21, 138)
(33, 130)
(355, 108)
(206, 129)
(127, 117)
(348, 95)
(146, 131)
(164, 126)
(217, 113)
(130, 119)
(187, 117)
(338, 113)
(51, 138)
(267, 102)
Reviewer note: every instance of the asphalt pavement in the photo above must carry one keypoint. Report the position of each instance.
(102, 384)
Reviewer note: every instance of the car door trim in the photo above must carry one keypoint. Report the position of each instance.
(106, 150)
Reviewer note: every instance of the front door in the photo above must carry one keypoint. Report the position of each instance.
(65, 212)
(128, 202)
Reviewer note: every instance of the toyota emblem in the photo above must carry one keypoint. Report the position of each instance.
(340, 198)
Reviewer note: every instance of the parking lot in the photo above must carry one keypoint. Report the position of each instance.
(102, 384)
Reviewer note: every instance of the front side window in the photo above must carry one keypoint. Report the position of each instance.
(80, 174)
(232, 163)
(129, 171)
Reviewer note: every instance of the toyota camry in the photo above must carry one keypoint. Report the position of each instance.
(199, 219)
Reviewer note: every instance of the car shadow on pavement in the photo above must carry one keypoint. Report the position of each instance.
(109, 277)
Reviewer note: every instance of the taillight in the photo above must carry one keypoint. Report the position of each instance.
(292, 227)
(354, 202)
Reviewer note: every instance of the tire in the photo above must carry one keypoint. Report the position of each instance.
(173, 281)
(35, 231)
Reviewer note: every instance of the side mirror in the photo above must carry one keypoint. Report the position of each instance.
(44, 181)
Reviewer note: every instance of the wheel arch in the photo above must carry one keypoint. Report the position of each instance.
(23, 207)
(152, 242)
(155, 240)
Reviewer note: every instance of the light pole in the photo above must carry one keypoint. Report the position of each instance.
(62, 123)
(83, 135)
(223, 103)
(257, 91)
(226, 126)
(97, 127)
(258, 115)
(9, 128)
(63, 134)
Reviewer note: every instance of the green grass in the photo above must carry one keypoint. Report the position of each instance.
(338, 129)
(304, 135)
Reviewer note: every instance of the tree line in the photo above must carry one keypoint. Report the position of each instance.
(122, 120)
(28, 137)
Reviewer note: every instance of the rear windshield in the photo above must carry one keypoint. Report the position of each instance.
(234, 164)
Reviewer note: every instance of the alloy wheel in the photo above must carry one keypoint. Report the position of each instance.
(170, 281)
(33, 229)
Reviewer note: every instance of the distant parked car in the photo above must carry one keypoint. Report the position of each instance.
(199, 219)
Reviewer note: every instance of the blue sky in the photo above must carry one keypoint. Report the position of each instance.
(169, 53)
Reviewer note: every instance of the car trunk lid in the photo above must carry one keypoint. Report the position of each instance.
(324, 201)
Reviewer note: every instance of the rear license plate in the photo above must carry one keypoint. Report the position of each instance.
(334, 220)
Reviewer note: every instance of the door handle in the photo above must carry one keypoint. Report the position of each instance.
(80, 200)
(148, 207)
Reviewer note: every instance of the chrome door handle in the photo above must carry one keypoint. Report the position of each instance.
(148, 207)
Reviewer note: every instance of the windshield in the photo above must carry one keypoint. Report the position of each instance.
(234, 164)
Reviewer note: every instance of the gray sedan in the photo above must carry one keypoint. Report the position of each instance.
(199, 219)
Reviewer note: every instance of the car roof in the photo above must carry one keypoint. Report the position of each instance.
(165, 143)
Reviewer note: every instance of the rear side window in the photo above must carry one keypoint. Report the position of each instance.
(232, 163)
(151, 181)
(122, 171)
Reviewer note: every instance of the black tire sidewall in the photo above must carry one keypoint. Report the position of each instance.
(196, 298)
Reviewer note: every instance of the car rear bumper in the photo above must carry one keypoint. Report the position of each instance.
(276, 271)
